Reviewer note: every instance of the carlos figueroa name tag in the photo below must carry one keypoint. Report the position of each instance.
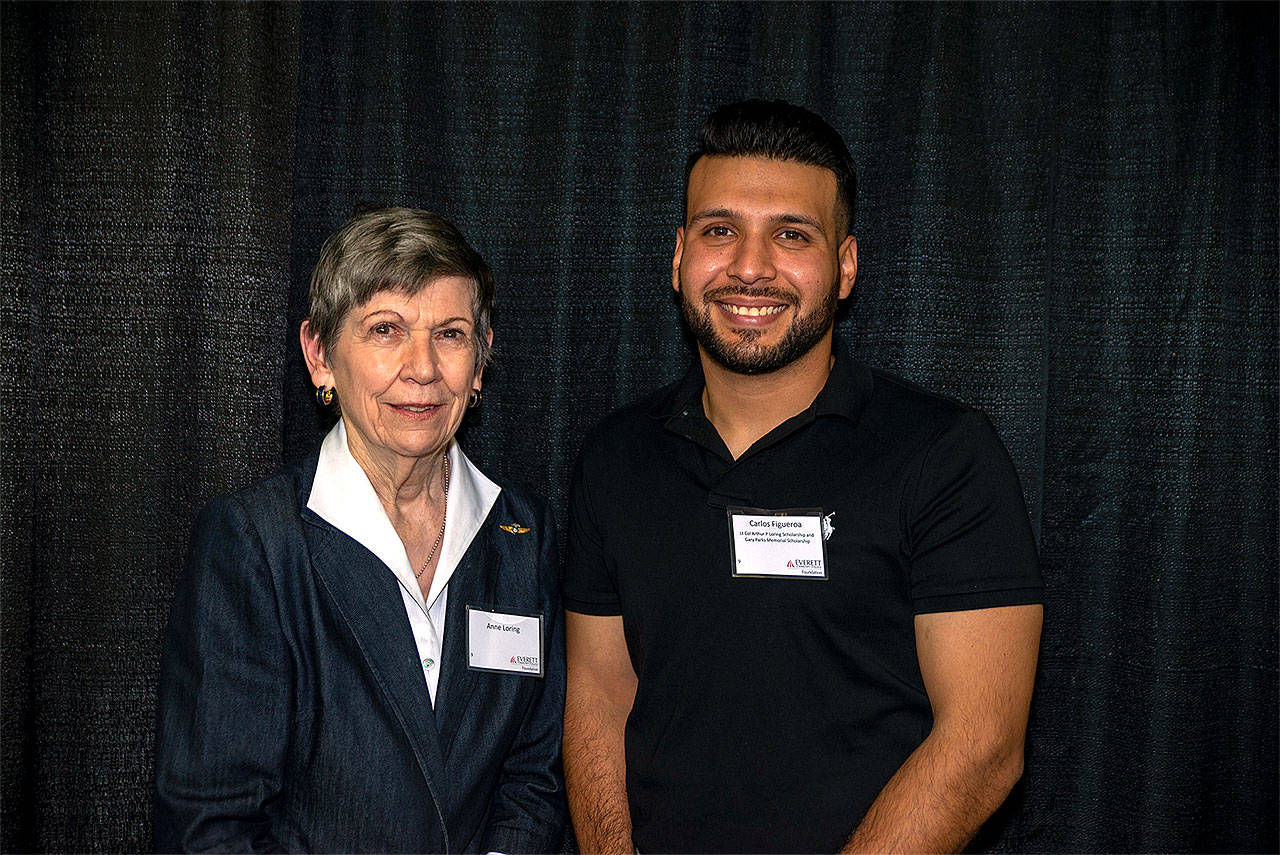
(510, 642)
(782, 543)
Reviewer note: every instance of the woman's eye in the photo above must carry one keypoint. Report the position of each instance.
(383, 329)
(451, 333)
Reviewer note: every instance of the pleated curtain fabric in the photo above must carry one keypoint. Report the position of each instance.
(1067, 216)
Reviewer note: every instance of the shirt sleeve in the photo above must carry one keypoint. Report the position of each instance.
(590, 578)
(527, 811)
(224, 702)
(967, 538)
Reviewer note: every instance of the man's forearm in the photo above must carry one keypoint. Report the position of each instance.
(938, 798)
(595, 772)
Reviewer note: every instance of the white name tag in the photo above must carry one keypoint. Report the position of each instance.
(502, 641)
(786, 543)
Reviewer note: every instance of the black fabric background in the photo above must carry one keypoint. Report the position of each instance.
(1067, 216)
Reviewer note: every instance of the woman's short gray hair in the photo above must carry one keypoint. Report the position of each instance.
(395, 249)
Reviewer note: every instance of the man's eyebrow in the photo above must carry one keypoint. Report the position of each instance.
(800, 220)
(714, 214)
(780, 219)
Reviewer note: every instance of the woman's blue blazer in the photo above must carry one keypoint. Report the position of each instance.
(294, 714)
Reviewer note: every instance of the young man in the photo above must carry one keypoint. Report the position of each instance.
(802, 593)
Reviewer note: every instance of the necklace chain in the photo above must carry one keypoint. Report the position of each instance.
(443, 519)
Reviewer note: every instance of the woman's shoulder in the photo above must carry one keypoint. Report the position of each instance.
(275, 497)
(516, 496)
(512, 495)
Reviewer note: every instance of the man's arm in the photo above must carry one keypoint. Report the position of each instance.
(601, 688)
(978, 668)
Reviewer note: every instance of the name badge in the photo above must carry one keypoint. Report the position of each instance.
(509, 642)
(785, 543)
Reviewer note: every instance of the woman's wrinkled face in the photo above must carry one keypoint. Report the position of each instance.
(403, 368)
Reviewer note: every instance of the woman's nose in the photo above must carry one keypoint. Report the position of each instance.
(420, 360)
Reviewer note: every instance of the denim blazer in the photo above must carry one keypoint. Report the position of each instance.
(294, 714)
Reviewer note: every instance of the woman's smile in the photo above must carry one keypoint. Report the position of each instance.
(415, 410)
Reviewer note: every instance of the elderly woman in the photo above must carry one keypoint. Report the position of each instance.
(366, 650)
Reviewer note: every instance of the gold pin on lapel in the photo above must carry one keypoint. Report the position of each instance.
(511, 528)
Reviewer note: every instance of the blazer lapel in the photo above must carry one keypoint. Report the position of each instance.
(472, 583)
(367, 596)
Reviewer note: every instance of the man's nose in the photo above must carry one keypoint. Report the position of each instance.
(752, 260)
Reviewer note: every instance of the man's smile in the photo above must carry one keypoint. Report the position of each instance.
(750, 311)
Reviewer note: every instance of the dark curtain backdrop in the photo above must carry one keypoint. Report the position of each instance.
(1067, 217)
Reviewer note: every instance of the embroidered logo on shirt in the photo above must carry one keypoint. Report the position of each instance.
(828, 527)
(512, 528)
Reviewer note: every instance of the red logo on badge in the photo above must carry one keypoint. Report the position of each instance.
(791, 564)
(513, 660)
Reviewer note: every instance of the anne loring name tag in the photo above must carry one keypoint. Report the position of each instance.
(504, 641)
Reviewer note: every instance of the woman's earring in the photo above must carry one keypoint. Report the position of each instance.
(324, 395)
(475, 399)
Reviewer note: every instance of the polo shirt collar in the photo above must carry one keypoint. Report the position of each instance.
(845, 394)
(847, 389)
(343, 496)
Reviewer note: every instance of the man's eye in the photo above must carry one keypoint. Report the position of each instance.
(793, 235)
(719, 231)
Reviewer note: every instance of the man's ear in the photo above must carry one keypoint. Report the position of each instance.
(317, 359)
(675, 259)
(848, 259)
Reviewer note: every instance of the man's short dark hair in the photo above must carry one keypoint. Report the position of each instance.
(779, 131)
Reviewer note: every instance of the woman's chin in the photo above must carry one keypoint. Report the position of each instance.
(409, 441)
(417, 447)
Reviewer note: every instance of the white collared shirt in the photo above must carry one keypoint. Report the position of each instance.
(342, 495)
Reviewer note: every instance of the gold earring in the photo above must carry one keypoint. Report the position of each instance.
(475, 399)
(324, 395)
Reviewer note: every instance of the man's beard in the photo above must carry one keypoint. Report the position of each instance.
(737, 350)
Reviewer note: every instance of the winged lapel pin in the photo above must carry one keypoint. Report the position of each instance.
(512, 528)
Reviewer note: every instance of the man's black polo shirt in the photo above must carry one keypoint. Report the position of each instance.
(771, 711)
